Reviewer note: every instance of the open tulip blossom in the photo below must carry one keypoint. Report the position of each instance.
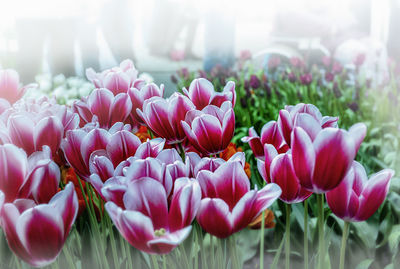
(174, 176)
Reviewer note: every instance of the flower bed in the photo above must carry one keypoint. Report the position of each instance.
(126, 178)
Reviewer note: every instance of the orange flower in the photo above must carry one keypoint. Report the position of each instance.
(143, 134)
(68, 175)
(269, 220)
(230, 151)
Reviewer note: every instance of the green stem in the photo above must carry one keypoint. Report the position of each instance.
(113, 245)
(343, 246)
(155, 262)
(164, 259)
(287, 237)
(320, 201)
(306, 234)
(212, 250)
(235, 260)
(262, 240)
(181, 152)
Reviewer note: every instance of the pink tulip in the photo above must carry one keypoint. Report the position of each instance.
(36, 233)
(139, 95)
(228, 205)
(278, 168)
(211, 129)
(108, 109)
(357, 197)
(31, 132)
(270, 134)
(79, 145)
(306, 116)
(10, 87)
(201, 92)
(164, 116)
(322, 162)
(150, 221)
(36, 177)
(117, 79)
(198, 164)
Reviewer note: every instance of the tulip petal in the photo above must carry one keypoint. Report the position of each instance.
(221, 222)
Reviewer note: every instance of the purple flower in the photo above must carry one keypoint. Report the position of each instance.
(228, 199)
(306, 79)
(357, 198)
(254, 82)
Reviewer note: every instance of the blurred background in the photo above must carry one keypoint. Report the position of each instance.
(161, 36)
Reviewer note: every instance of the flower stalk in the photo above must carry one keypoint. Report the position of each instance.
(345, 235)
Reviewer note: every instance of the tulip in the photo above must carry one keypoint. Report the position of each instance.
(151, 222)
(138, 96)
(313, 157)
(107, 108)
(357, 197)
(228, 199)
(306, 79)
(270, 134)
(306, 116)
(211, 129)
(31, 132)
(278, 168)
(117, 79)
(164, 116)
(9, 86)
(36, 232)
(79, 145)
(254, 82)
(36, 177)
(201, 92)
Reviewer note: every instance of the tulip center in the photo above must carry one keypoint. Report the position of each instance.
(160, 232)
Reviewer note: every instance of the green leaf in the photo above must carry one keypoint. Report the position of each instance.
(277, 255)
(365, 264)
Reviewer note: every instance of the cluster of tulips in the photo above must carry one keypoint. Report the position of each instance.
(154, 190)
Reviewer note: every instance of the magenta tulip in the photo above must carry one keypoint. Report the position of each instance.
(139, 95)
(150, 221)
(164, 116)
(306, 116)
(270, 134)
(10, 87)
(31, 132)
(357, 197)
(36, 233)
(228, 205)
(36, 177)
(117, 79)
(201, 92)
(278, 168)
(321, 163)
(107, 108)
(211, 129)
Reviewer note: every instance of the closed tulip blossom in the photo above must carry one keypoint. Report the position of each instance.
(150, 221)
(164, 116)
(270, 134)
(278, 168)
(228, 205)
(36, 232)
(357, 197)
(117, 79)
(10, 89)
(210, 130)
(36, 177)
(107, 108)
(139, 95)
(306, 116)
(201, 92)
(313, 157)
